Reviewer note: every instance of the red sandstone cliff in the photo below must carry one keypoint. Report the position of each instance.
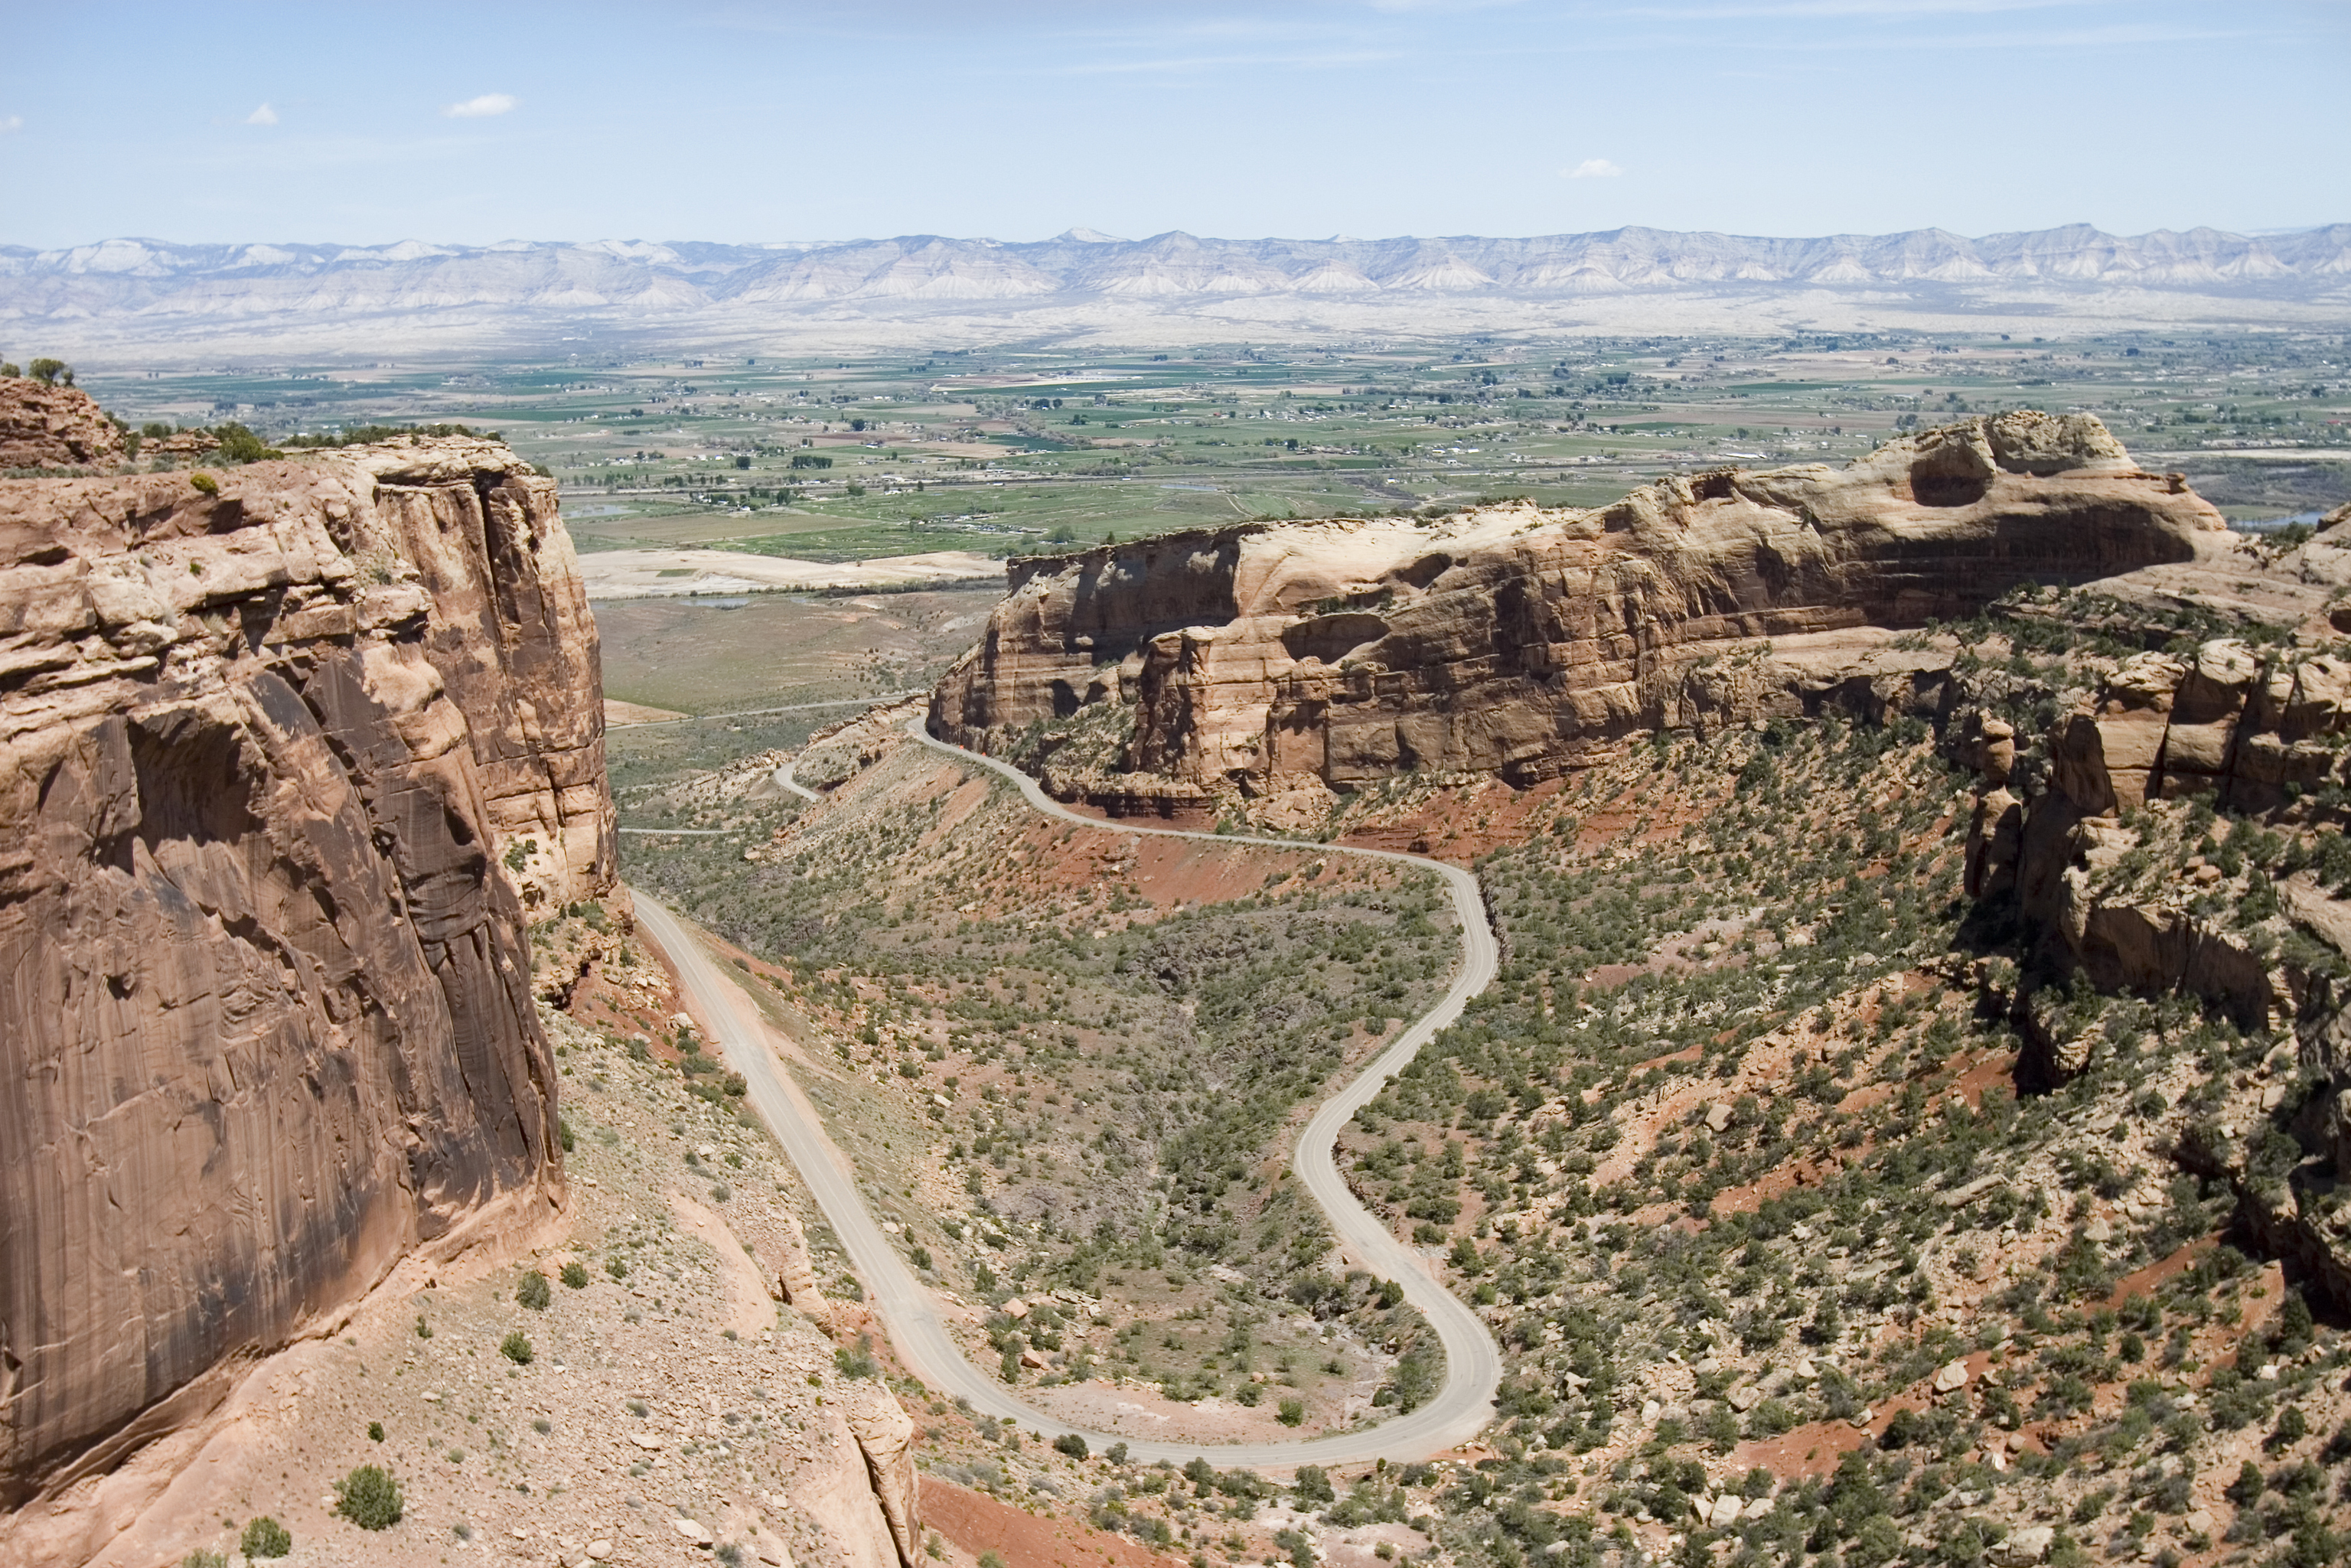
(266, 1016)
(1519, 642)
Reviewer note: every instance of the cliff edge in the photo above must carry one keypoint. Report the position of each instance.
(284, 752)
(1522, 642)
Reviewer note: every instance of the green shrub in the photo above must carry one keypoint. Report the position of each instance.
(1072, 1445)
(574, 1276)
(264, 1537)
(370, 1498)
(533, 1291)
(205, 483)
(859, 1362)
(199, 1558)
(238, 444)
(368, 435)
(54, 372)
(1291, 1412)
(375, 1431)
(516, 1347)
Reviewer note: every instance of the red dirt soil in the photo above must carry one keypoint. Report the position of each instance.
(978, 1523)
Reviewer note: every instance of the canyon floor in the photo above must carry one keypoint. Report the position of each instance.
(1820, 1223)
(1795, 1254)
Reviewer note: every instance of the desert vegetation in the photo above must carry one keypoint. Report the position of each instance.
(1102, 1044)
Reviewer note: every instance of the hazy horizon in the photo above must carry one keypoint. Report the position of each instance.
(1085, 232)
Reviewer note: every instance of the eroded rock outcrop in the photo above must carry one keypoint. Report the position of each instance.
(45, 426)
(268, 1022)
(2249, 728)
(885, 1435)
(2181, 838)
(790, 1273)
(1521, 643)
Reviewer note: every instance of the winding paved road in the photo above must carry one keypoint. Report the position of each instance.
(1473, 1364)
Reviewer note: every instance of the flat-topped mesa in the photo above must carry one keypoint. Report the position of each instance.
(1522, 642)
(282, 765)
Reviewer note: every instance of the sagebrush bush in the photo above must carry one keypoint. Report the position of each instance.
(533, 1291)
(264, 1537)
(370, 1498)
(516, 1347)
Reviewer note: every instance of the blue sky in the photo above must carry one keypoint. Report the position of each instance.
(772, 119)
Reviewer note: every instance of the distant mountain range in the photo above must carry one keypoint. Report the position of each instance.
(1082, 279)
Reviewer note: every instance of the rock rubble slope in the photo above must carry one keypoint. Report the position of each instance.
(283, 760)
(1521, 643)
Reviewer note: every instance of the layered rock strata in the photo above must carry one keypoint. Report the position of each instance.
(1520, 643)
(268, 753)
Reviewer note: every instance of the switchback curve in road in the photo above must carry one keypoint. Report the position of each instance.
(786, 779)
(1473, 1367)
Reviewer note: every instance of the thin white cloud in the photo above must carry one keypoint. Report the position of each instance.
(12, 123)
(1592, 169)
(265, 115)
(482, 108)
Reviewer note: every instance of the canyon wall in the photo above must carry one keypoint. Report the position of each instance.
(286, 750)
(1521, 643)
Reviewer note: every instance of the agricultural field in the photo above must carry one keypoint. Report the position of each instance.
(1010, 451)
(723, 678)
